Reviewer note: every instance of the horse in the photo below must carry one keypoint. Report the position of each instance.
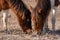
(54, 5)
(40, 14)
(21, 12)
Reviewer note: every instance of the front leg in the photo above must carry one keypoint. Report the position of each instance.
(45, 28)
(34, 23)
(37, 23)
(5, 14)
(53, 18)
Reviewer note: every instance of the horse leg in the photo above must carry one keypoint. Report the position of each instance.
(45, 29)
(37, 23)
(5, 13)
(34, 24)
(53, 19)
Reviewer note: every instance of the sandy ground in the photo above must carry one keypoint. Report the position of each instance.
(15, 30)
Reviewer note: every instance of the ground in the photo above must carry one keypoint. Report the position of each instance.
(15, 30)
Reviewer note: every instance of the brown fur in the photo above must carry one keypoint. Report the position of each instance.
(39, 15)
(26, 16)
(23, 15)
(4, 5)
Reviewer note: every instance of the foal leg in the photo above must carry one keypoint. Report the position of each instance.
(53, 19)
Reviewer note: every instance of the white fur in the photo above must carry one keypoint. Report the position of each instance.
(4, 19)
(5, 12)
(53, 11)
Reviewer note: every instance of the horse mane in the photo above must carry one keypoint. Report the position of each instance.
(18, 5)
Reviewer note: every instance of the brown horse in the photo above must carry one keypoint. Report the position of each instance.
(22, 13)
(39, 15)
